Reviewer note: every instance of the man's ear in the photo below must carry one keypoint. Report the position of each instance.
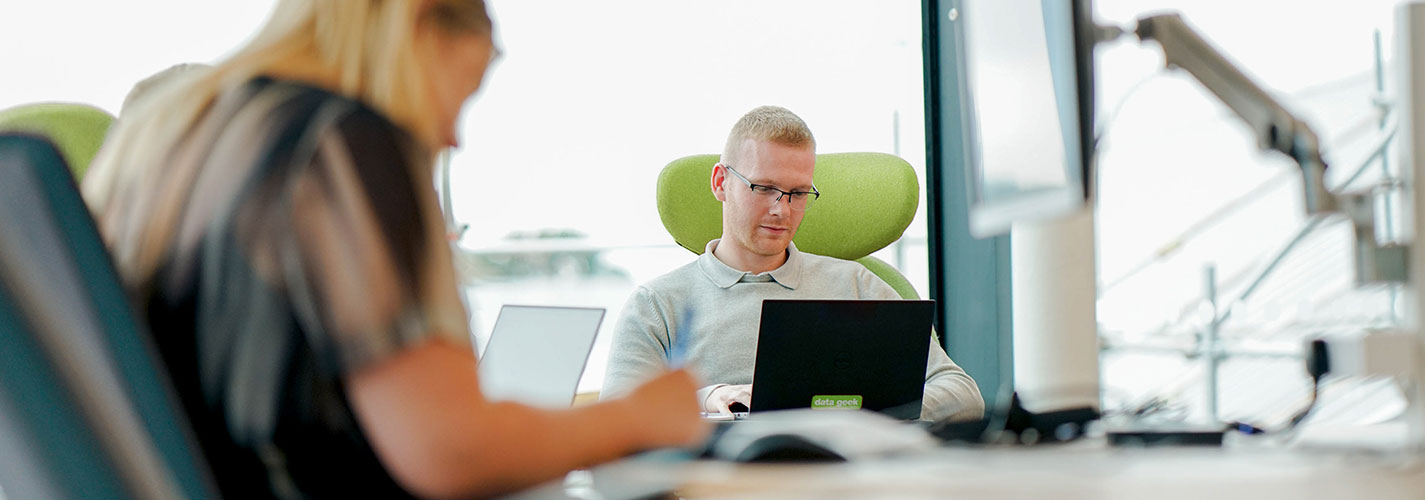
(719, 176)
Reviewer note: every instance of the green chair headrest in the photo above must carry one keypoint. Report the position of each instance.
(77, 130)
(867, 201)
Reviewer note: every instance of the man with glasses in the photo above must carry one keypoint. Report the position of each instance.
(706, 313)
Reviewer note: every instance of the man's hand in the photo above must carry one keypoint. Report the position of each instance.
(721, 398)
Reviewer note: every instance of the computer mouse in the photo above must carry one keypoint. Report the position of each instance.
(786, 448)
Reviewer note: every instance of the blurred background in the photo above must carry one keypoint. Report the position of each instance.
(551, 194)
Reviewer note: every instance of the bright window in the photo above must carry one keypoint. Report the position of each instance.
(562, 149)
(1183, 187)
(92, 52)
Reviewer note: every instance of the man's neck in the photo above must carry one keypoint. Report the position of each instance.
(745, 261)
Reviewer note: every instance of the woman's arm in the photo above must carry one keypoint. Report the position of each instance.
(433, 430)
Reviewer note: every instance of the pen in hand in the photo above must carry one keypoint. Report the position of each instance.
(678, 351)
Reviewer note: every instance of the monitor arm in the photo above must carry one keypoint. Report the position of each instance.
(1276, 128)
(1279, 130)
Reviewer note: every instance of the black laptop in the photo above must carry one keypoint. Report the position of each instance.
(843, 354)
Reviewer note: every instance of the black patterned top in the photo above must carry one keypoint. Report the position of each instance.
(309, 246)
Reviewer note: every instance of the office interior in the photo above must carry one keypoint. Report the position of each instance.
(1208, 275)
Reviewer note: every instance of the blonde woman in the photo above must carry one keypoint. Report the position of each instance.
(273, 219)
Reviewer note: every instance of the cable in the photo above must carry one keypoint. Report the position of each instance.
(1310, 405)
(1105, 122)
(1318, 364)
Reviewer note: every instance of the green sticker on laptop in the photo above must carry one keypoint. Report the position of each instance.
(836, 402)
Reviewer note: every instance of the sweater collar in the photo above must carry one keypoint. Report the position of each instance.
(788, 275)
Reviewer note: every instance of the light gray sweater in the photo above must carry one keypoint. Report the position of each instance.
(718, 308)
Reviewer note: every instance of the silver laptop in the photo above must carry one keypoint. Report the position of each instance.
(536, 354)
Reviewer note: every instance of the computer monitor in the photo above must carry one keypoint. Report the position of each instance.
(1029, 119)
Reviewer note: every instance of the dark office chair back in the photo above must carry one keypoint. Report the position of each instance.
(86, 409)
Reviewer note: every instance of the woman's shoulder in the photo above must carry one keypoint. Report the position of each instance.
(290, 119)
(294, 102)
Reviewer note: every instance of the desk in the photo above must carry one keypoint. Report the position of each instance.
(1083, 470)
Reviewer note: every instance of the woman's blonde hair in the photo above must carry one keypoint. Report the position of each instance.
(368, 50)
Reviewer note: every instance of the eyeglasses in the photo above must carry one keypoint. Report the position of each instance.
(797, 200)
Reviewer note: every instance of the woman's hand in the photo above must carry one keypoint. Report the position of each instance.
(665, 411)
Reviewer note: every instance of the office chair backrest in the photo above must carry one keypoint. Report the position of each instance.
(86, 410)
(867, 201)
(78, 130)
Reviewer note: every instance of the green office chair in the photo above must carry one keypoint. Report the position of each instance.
(867, 201)
(76, 129)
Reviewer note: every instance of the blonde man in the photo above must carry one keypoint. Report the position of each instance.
(764, 181)
(274, 220)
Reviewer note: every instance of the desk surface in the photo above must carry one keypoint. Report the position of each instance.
(1084, 470)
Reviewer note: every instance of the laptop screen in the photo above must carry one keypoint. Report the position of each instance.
(536, 354)
(843, 354)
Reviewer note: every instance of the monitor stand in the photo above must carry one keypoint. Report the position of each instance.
(1016, 425)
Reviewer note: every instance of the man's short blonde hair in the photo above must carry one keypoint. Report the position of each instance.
(773, 124)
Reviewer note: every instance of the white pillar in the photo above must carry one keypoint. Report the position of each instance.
(1410, 102)
(1055, 324)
